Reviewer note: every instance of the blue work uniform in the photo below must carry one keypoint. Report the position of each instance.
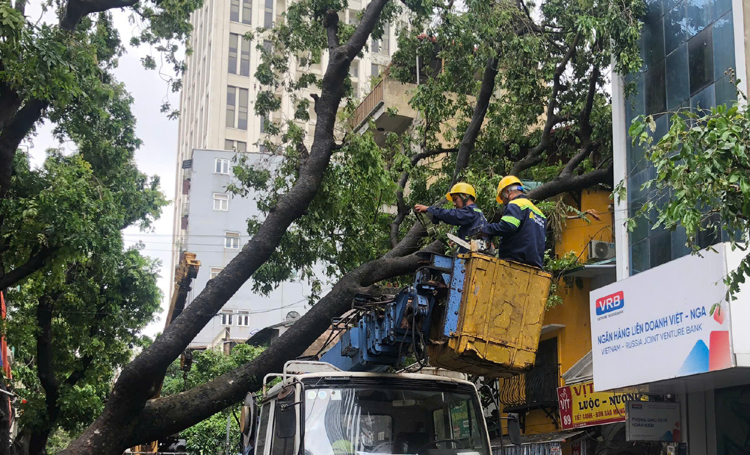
(469, 220)
(522, 230)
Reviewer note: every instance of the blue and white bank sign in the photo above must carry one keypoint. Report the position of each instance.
(668, 322)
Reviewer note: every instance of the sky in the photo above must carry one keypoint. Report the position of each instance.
(156, 156)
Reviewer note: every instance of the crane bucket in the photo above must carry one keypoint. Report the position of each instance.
(493, 317)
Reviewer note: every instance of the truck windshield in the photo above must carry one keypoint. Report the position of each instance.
(348, 421)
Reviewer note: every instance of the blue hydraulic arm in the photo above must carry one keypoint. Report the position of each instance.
(385, 331)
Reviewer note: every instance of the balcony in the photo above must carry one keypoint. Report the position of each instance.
(388, 97)
(536, 389)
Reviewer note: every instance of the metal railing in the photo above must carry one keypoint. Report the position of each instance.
(533, 389)
(369, 104)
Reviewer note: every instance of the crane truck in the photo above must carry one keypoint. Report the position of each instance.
(466, 314)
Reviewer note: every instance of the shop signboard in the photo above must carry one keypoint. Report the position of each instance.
(671, 321)
(653, 421)
(581, 407)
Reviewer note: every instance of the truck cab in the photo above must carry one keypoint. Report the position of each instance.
(317, 409)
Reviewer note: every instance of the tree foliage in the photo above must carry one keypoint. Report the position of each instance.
(62, 73)
(71, 330)
(548, 119)
(207, 437)
(77, 301)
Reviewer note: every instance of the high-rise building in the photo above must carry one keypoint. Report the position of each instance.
(217, 120)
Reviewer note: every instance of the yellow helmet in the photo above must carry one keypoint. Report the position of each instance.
(505, 182)
(462, 188)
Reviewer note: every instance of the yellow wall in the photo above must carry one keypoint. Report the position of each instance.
(578, 232)
(574, 340)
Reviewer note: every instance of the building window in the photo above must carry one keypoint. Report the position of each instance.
(234, 11)
(221, 202)
(385, 41)
(247, 10)
(242, 114)
(234, 40)
(237, 117)
(221, 166)
(382, 45)
(263, 124)
(268, 14)
(374, 70)
(243, 319)
(245, 58)
(353, 20)
(231, 105)
(237, 146)
(226, 318)
(354, 69)
(215, 271)
(268, 46)
(232, 240)
(686, 50)
(235, 43)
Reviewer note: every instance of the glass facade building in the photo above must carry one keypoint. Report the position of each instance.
(687, 47)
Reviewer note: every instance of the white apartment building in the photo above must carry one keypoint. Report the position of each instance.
(217, 114)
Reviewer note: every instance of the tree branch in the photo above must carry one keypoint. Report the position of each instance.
(34, 263)
(403, 210)
(77, 9)
(331, 23)
(534, 155)
(170, 414)
(567, 183)
(12, 135)
(584, 126)
(365, 28)
(45, 356)
(480, 111)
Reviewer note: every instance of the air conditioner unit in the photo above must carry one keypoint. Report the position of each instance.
(599, 250)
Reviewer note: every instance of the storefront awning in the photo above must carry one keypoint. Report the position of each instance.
(581, 371)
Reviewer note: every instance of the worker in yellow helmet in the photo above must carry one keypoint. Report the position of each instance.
(466, 215)
(523, 226)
